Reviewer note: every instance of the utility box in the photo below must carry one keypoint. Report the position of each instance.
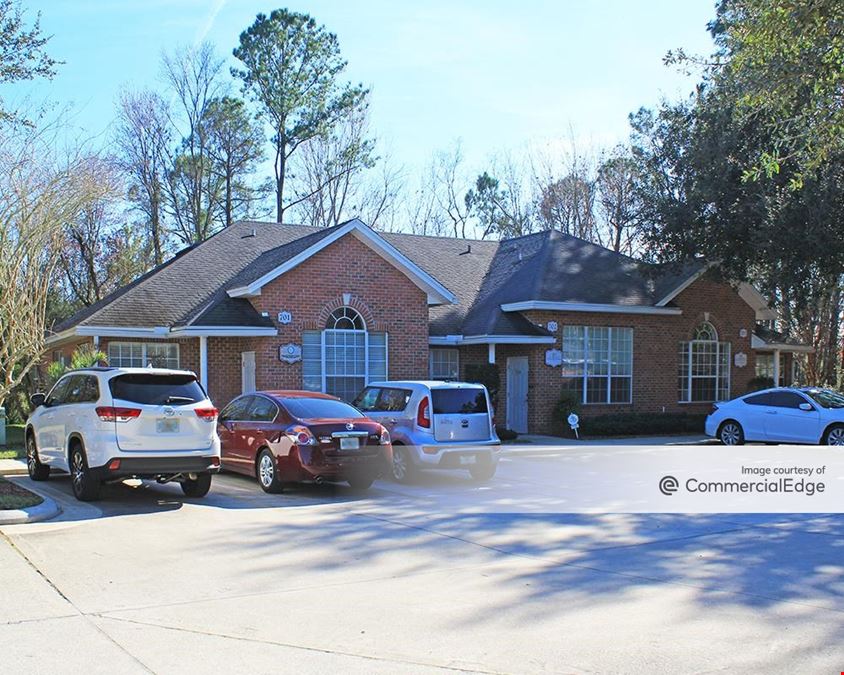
(2, 425)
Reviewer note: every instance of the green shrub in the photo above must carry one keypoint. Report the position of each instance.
(641, 424)
(486, 374)
(569, 402)
(760, 382)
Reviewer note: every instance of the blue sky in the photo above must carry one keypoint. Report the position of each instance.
(495, 74)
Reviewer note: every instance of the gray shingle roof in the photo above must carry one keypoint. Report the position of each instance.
(191, 289)
(176, 292)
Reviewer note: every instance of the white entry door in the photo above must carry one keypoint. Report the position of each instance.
(517, 394)
(247, 372)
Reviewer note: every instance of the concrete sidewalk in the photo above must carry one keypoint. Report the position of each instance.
(13, 467)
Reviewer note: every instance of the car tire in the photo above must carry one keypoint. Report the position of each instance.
(197, 487)
(86, 488)
(361, 483)
(266, 471)
(834, 435)
(403, 470)
(37, 470)
(483, 472)
(731, 433)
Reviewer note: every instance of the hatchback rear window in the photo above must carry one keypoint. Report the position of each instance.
(458, 401)
(313, 408)
(150, 389)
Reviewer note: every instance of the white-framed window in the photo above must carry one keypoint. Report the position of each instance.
(598, 363)
(342, 359)
(444, 364)
(704, 367)
(143, 354)
(765, 367)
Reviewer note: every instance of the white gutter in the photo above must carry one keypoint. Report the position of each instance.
(453, 340)
(159, 332)
(227, 331)
(545, 305)
(759, 344)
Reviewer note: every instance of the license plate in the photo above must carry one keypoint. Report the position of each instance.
(468, 459)
(349, 443)
(167, 426)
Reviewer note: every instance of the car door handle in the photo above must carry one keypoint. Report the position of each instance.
(770, 412)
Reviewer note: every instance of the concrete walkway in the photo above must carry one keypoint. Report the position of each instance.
(684, 439)
(12, 467)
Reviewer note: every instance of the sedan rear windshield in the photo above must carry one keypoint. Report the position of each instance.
(315, 408)
(458, 401)
(151, 389)
(826, 398)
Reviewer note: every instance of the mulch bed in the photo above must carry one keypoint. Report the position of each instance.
(12, 496)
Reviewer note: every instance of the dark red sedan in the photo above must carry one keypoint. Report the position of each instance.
(301, 436)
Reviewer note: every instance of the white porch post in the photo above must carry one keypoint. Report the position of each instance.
(203, 361)
(492, 352)
(776, 367)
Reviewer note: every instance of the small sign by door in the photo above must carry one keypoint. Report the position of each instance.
(290, 353)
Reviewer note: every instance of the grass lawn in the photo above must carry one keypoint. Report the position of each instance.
(13, 496)
(14, 447)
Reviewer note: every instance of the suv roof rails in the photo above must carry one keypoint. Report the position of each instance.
(99, 369)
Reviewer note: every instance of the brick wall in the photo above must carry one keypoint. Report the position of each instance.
(655, 354)
(388, 301)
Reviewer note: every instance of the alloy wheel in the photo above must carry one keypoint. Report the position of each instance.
(31, 461)
(399, 465)
(77, 471)
(731, 434)
(266, 471)
(835, 436)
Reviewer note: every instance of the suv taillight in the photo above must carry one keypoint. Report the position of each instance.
(423, 413)
(111, 414)
(207, 414)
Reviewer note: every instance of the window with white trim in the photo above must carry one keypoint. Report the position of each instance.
(143, 354)
(342, 359)
(598, 363)
(704, 367)
(444, 364)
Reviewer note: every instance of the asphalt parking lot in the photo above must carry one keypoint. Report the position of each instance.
(445, 575)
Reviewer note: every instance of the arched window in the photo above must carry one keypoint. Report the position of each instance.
(704, 366)
(345, 318)
(705, 332)
(342, 359)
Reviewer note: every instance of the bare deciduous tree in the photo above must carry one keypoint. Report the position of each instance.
(82, 255)
(618, 200)
(39, 196)
(143, 138)
(329, 171)
(194, 75)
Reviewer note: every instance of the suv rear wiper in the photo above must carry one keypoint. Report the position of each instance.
(179, 399)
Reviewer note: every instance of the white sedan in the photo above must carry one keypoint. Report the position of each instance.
(782, 415)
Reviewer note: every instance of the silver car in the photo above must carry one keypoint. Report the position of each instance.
(435, 425)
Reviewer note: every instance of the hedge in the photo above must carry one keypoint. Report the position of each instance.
(641, 424)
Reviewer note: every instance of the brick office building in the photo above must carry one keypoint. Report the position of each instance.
(272, 306)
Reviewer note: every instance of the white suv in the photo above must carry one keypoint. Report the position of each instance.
(107, 424)
(435, 425)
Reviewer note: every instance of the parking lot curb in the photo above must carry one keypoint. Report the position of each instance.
(43, 511)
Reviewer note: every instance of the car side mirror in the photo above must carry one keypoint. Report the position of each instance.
(37, 400)
(807, 407)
